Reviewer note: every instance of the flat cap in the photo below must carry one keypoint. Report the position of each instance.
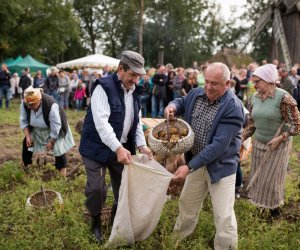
(134, 60)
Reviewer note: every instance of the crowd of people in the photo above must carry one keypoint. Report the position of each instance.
(165, 83)
(212, 98)
(159, 85)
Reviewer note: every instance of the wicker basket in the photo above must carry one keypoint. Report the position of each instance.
(171, 147)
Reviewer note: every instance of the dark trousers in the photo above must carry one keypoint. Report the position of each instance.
(60, 161)
(95, 190)
(239, 176)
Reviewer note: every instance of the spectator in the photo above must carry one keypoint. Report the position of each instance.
(243, 94)
(25, 80)
(106, 71)
(189, 83)
(14, 82)
(78, 96)
(64, 89)
(295, 81)
(159, 94)
(38, 80)
(73, 86)
(52, 84)
(285, 81)
(177, 83)
(171, 76)
(145, 95)
(4, 85)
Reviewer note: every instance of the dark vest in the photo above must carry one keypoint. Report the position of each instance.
(47, 102)
(91, 145)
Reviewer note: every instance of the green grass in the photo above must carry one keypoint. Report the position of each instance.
(68, 227)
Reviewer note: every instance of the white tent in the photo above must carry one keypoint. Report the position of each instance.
(92, 61)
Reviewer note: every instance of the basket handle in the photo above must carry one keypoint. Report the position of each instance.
(168, 127)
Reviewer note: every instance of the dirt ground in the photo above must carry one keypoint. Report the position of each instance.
(11, 148)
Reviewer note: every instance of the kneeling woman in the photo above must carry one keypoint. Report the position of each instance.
(45, 127)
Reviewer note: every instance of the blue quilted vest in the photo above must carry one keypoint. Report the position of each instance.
(91, 145)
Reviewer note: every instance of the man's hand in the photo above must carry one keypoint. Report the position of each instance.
(275, 142)
(181, 173)
(170, 111)
(145, 150)
(123, 156)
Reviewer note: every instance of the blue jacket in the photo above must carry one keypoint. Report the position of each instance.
(91, 145)
(221, 153)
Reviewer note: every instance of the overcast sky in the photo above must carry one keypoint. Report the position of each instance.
(226, 6)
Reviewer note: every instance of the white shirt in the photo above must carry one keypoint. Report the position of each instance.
(37, 119)
(101, 112)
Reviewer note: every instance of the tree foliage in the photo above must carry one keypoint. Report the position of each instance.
(261, 43)
(43, 28)
(186, 31)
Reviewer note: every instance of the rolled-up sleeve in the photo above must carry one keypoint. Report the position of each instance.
(55, 121)
(140, 137)
(23, 117)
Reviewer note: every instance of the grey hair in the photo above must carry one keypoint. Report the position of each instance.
(223, 67)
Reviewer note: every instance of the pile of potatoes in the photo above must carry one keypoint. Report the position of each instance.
(175, 134)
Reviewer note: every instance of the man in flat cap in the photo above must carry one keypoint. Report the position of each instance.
(112, 131)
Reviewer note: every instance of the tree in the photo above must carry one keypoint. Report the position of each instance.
(89, 11)
(261, 43)
(38, 27)
(181, 28)
(119, 19)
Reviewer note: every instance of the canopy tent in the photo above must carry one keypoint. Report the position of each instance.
(28, 62)
(8, 60)
(92, 61)
(17, 60)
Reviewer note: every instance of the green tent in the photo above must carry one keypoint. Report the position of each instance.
(17, 60)
(8, 60)
(28, 62)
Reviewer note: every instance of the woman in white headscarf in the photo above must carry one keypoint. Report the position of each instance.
(274, 120)
(45, 127)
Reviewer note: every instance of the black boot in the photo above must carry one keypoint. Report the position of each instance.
(275, 212)
(96, 228)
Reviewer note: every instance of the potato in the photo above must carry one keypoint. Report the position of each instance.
(184, 132)
(173, 130)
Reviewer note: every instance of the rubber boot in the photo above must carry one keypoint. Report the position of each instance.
(96, 228)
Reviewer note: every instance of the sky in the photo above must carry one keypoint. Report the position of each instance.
(226, 6)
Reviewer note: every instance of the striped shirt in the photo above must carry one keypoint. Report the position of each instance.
(101, 116)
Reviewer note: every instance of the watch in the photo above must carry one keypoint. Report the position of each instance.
(190, 168)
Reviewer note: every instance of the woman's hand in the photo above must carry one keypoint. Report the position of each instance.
(50, 144)
(29, 141)
(275, 142)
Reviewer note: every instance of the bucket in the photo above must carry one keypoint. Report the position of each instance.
(37, 200)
